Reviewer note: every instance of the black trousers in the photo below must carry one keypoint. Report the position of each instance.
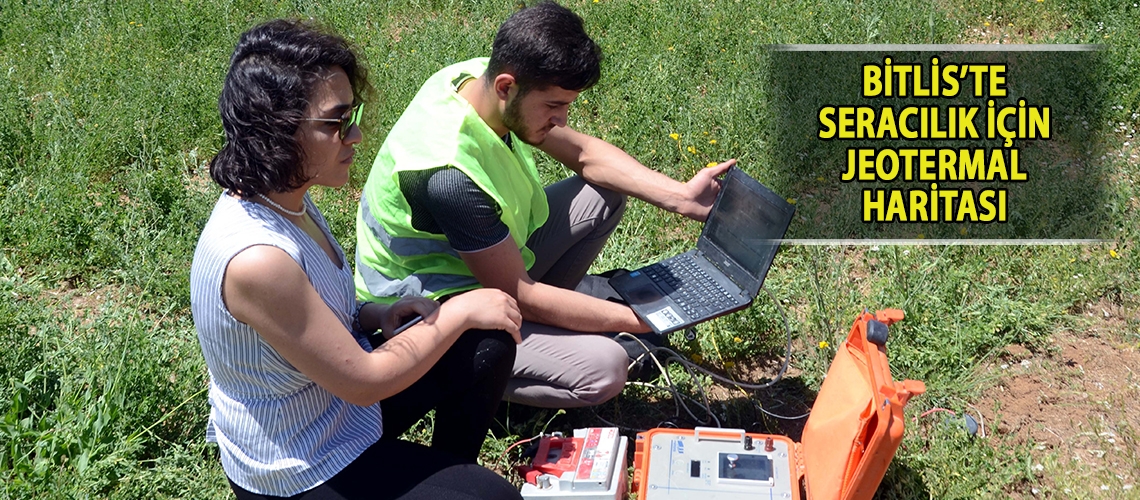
(464, 388)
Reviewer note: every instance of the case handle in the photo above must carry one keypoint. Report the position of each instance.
(907, 389)
(888, 316)
(715, 434)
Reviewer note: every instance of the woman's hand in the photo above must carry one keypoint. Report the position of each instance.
(487, 309)
(403, 310)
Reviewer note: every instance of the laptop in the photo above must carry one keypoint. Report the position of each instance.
(724, 273)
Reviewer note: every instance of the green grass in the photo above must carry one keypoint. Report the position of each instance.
(108, 116)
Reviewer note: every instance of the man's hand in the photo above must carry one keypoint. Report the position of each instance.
(701, 190)
(605, 165)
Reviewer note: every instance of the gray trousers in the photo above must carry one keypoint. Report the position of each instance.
(555, 367)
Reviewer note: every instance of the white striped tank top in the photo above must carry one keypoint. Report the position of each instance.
(278, 432)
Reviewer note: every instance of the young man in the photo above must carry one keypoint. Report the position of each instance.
(454, 202)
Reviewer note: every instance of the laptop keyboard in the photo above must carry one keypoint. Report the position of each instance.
(683, 280)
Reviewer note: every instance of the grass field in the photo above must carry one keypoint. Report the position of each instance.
(108, 117)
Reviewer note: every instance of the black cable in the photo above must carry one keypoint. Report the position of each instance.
(742, 385)
(679, 398)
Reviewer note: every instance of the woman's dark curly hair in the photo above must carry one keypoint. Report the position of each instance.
(272, 73)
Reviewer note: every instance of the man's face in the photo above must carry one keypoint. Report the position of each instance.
(532, 116)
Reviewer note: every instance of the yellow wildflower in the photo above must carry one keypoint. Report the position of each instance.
(737, 340)
(823, 344)
(987, 23)
(729, 364)
(670, 48)
(691, 150)
(710, 164)
(792, 201)
(1113, 254)
(675, 136)
(712, 141)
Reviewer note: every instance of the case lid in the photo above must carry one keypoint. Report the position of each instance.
(856, 423)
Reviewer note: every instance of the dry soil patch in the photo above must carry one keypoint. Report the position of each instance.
(1078, 404)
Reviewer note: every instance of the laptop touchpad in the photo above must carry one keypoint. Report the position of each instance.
(642, 291)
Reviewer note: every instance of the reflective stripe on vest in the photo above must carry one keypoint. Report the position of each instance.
(422, 284)
(401, 246)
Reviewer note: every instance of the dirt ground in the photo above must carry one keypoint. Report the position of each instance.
(1077, 404)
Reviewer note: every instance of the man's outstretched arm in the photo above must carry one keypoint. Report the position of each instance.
(501, 266)
(606, 165)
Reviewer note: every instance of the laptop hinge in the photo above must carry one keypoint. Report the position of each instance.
(743, 293)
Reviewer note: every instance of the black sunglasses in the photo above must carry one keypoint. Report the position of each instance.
(346, 122)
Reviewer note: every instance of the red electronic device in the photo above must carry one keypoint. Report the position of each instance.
(588, 466)
(556, 455)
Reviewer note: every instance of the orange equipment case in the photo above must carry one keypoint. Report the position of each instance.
(854, 429)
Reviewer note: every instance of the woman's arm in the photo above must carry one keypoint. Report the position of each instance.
(266, 289)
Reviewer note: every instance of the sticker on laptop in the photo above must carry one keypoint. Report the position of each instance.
(664, 319)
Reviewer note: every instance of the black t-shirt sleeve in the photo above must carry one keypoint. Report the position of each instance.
(446, 201)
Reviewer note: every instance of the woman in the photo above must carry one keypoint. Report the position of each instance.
(304, 402)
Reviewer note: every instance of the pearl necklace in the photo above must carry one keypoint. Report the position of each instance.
(274, 204)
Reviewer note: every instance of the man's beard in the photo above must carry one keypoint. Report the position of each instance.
(512, 119)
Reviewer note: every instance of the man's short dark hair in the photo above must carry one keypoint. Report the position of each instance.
(546, 45)
(272, 74)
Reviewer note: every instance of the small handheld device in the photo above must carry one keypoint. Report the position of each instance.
(410, 323)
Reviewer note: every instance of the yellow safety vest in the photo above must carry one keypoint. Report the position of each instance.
(439, 129)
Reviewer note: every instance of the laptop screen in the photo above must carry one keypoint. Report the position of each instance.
(747, 226)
